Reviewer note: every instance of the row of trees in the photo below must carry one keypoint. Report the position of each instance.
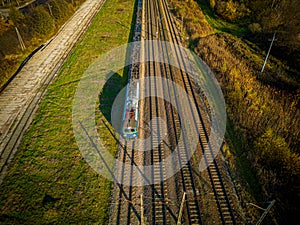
(42, 19)
(8, 3)
(35, 25)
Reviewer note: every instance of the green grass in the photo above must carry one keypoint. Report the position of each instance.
(237, 149)
(50, 182)
(248, 185)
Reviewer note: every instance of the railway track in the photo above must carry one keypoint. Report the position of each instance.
(125, 208)
(126, 201)
(219, 188)
(161, 202)
(20, 99)
(186, 179)
(192, 213)
(159, 189)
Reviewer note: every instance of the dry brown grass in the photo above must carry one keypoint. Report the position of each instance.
(194, 20)
(254, 101)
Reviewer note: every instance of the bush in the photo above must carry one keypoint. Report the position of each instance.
(16, 16)
(254, 27)
(226, 10)
(278, 169)
(60, 9)
(41, 21)
(230, 10)
(271, 152)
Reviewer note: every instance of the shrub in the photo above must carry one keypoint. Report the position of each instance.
(271, 152)
(60, 9)
(227, 10)
(254, 27)
(277, 168)
(230, 10)
(16, 16)
(41, 21)
(212, 3)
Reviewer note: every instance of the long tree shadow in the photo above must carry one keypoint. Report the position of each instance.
(116, 82)
(107, 96)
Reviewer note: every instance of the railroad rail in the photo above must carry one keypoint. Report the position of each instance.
(125, 208)
(218, 186)
(161, 202)
(20, 98)
(186, 179)
(158, 204)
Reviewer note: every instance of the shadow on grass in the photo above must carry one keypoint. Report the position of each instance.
(109, 93)
(116, 82)
(244, 166)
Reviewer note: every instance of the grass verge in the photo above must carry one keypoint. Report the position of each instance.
(49, 181)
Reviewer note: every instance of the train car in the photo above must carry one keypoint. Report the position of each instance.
(131, 111)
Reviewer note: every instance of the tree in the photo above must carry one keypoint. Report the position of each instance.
(60, 9)
(280, 16)
(16, 16)
(278, 170)
(272, 152)
(41, 21)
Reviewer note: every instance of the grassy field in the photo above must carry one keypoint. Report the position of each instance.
(50, 182)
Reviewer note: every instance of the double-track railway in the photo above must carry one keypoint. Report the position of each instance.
(162, 195)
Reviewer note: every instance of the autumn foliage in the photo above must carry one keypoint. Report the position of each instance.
(35, 25)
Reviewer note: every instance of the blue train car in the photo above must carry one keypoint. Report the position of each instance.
(131, 112)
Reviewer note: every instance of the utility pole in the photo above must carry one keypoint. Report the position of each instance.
(142, 211)
(263, 67)
(49, 6)
(265, 210)
(181, 209)
(22, 44)
(181, 26)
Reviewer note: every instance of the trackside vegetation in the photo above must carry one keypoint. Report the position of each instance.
(262, 108)
(50, 182)
(35, 25)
